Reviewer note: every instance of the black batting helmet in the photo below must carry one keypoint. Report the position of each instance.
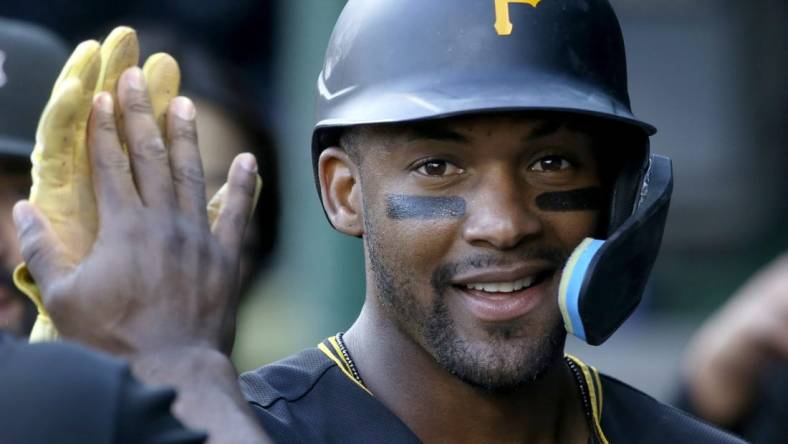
(396, 61)
(30, 59)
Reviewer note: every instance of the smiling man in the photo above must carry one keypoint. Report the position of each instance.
(492, 205)
(486, 153)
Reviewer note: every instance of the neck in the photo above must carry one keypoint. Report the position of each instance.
(437, 406)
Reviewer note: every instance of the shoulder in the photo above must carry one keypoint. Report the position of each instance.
(292, 398)
(286, 380)
(633, 416)
(309, 398)
(285, 396)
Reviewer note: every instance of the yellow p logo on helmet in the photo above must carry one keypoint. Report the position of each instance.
(503, 25)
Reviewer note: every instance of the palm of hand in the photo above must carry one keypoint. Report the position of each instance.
(160, 272)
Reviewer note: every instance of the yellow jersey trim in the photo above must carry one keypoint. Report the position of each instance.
(594, 385)
(339, 360)
(590, 376)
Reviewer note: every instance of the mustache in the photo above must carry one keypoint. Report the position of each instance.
(443, 275)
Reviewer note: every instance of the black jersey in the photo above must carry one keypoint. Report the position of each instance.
(312, 397)
(67, 394)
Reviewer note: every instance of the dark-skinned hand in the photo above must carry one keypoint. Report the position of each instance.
(158, 277)
(731, 352)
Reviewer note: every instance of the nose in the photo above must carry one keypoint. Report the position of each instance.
(499, 215)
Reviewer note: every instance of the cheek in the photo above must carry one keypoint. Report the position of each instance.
(417, 243)
(414, 247)
(570, 228)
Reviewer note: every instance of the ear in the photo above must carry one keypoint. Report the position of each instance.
(341, 191)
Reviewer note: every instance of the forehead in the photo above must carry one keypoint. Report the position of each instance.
(469, 129)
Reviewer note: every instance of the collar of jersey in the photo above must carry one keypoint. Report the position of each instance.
(591, 383)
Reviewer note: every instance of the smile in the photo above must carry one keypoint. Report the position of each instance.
(504, 295)
(502, 287)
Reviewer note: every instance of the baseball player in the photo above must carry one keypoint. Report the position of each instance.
(487, 155)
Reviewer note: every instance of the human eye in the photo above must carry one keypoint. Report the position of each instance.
(551, 163)
(438, 168)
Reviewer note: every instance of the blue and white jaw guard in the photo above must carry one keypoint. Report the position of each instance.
(603, 280)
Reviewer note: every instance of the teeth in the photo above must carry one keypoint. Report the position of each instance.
(502, 287)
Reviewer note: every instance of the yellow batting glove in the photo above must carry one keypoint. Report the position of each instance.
(61, 169)
(62, 185)
(163, 78)
(219, 199)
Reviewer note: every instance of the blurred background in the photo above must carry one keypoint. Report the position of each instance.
(710, 74)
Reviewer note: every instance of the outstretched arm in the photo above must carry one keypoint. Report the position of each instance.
(159, 284)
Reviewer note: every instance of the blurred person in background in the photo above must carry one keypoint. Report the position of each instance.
(237, 34)
(30, 59)
(736, 367)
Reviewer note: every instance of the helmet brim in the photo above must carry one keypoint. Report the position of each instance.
(400, 103)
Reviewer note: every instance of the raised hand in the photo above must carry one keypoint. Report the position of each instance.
(728, 356)
(62, 187)
(157, 276)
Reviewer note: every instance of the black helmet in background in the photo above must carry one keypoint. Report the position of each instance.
(396, 61)
(30, 60)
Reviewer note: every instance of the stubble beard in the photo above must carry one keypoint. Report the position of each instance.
(502, 362)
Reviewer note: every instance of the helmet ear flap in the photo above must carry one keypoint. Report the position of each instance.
(621, 153)
(627, 182)
(603, 280)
